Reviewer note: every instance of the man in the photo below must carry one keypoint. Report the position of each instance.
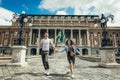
(45, 43)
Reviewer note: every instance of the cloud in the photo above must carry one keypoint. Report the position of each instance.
(25, 7)
(5, 16)
(81, 6)
(61, 13)
(54, 4)
(84, 7)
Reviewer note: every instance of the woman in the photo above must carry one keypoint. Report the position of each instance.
(71, 51)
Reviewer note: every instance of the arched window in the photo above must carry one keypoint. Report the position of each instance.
(33, 51)
(85, 51)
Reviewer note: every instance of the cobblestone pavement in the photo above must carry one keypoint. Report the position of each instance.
(84, 70)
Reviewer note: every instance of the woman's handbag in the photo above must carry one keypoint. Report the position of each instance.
(72, 54)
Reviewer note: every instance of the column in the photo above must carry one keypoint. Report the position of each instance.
(92, 41)
(30, 37)
(88, 38)
(99, 40)
(47, 30)
(11, 39)
(71, 33)
(3, 36)
(55, 36)
(80, 40)
(114, 38)
(33, 39)
(26, 39)
(85, 38)
(38, 42)
(64, 37)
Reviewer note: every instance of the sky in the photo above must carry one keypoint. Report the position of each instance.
(65, 7)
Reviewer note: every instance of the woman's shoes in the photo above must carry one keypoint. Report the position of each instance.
(72, 76)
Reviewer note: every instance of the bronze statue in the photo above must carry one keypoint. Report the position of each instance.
(105, 40)
(60, 37)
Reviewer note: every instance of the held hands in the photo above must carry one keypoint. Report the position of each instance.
(56, 50)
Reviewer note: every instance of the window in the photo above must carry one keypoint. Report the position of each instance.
(15, 41)
(6, 34)
(52, 17)
(95, 25)
(6, 42)
(60, 17)
(95, 43)
(95, 34)
(117, 35)
(0, 33)
(15, 33)
(110, 34)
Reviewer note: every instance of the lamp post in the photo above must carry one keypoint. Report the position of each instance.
(19, 50)
(23, 20)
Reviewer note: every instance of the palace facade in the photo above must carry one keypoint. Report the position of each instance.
(84, 30)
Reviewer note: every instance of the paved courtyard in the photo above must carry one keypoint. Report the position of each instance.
(84, 70)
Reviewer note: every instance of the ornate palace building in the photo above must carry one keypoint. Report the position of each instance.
(85, 30)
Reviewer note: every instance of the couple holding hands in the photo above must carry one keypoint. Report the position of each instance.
(70, 49)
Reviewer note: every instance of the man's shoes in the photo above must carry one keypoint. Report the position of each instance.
(72, 76)
(47, 72)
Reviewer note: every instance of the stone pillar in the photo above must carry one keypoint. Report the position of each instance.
(114, 38)
(71, 34)
(18, 56)
(64, 33)
(30, 37)
(26, 38)
(80, 39)
(33, 39)
(3, 36)
(92, 40)
(11, 39)
(55, 36)
(38, 42)
(47, 30)
(108, 59)
(88, 38)
(99, 40)
(85, 39)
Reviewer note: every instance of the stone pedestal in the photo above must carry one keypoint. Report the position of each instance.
(108, 59)
(18, 56)
(60, 45)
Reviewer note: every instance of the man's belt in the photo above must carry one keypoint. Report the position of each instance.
(45, 50)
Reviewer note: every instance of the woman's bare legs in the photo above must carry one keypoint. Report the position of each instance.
(71, 68)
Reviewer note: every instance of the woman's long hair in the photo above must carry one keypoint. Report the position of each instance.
(70, 41)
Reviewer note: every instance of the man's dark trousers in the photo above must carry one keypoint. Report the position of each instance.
(45, 55)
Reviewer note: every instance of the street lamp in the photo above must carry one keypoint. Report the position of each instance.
(22, 19)
(19, 50)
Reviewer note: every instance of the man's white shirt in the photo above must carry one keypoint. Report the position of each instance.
(46, 44)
